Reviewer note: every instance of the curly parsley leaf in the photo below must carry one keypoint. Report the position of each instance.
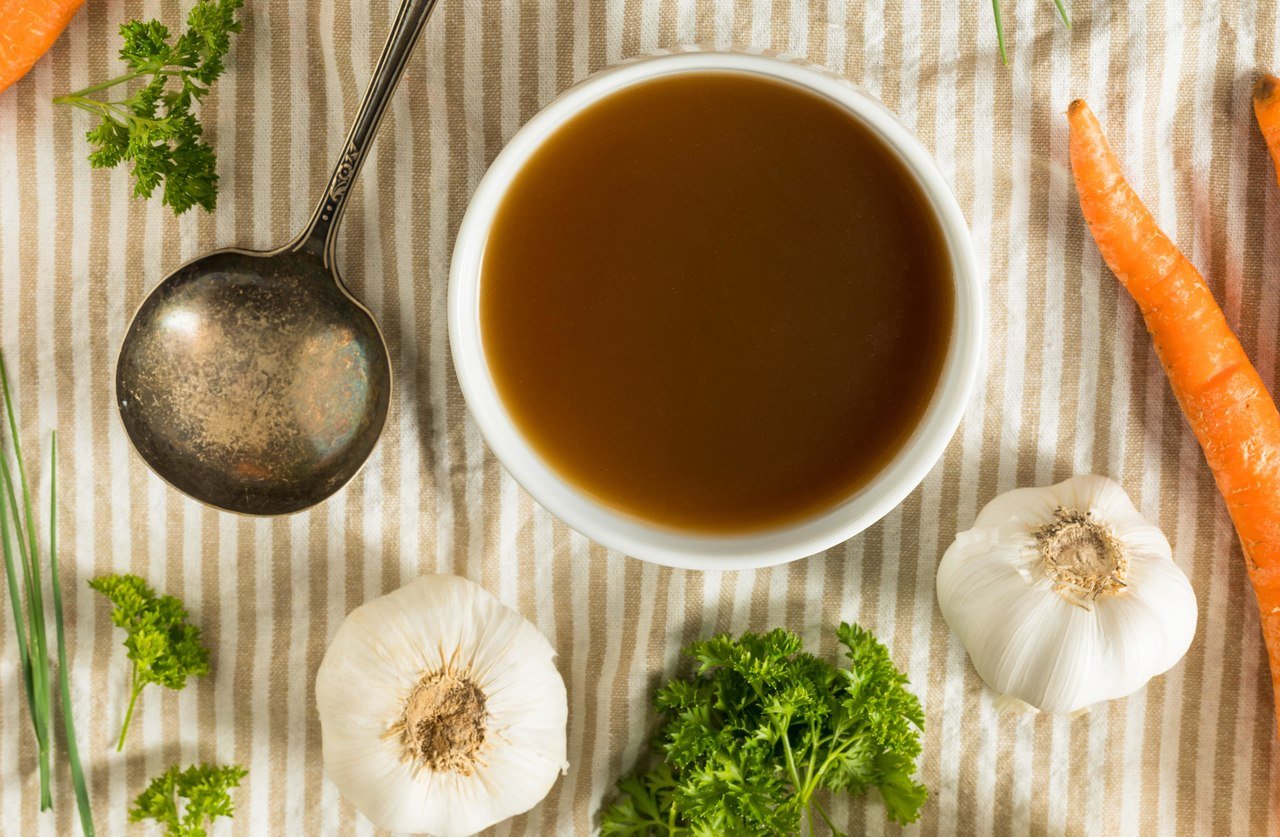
(165, 649)
(760, 727)
(206, 789)
(155, 127)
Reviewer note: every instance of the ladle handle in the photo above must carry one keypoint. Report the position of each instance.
(318, 237)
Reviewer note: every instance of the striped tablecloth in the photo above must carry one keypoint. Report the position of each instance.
(1071, 385)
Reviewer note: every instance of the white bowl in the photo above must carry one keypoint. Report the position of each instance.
(692, 550)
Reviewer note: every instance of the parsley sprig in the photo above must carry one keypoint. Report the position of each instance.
(163, 646)
(761, 726)
(206, 790)
(155, 127)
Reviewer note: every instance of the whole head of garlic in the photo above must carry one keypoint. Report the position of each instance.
(1066, 596)
(441, 709)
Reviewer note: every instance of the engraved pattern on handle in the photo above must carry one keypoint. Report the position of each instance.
(319, 236)
(343, 176)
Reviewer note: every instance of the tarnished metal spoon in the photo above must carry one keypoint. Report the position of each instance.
(254, 381)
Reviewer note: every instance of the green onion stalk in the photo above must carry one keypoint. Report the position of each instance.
(20, 547)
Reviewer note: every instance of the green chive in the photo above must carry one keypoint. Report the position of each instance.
(15, 601)
(1062, 12)
(35, 597)
(31, 632)
(73, 750)
(995, 7)
(17, 456)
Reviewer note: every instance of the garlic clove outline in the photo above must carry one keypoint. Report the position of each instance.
(445, 639)
(1057, 639)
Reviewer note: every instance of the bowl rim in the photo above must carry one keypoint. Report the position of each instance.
(691, 550)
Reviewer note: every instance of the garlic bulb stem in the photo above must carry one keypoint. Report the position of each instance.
(1082, 557)
(443, 724)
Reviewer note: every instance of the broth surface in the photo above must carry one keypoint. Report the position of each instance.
(716, 302)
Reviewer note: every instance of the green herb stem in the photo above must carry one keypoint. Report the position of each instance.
(135, 690)
(64, 684)
(38, 646)
(811, 781)
(827, 819)
(791, 758)
(32, 636)
(15, 601)
(1062, 13)
(108, 110)
(147, 70)
(995, 8)
(105, 85)
(17, 455)
(24, 534)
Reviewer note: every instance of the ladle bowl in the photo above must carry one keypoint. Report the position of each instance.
(254, 381)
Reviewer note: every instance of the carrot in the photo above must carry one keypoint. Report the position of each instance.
(1222, 395)
(1266, 106)
(27, 29)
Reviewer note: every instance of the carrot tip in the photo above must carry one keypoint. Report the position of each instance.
(1076, 106)
(1266, 88)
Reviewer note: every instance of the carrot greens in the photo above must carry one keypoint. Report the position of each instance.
(17, 527)
(761, 727)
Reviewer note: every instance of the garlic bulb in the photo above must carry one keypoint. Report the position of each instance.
(441, 710)
(1066, 596)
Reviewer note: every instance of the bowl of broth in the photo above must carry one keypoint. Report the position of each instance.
(715, 310)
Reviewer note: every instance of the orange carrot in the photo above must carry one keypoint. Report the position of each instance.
(27, 29)
(1220, 392)
(1266, 106)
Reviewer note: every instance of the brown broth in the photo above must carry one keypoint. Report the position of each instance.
(716, 302)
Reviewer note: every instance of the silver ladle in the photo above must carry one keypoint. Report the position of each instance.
(254, 381)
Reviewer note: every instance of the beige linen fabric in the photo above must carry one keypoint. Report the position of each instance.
(1070, 386)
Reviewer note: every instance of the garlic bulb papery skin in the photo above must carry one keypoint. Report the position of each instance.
(441, 709)
(1066, 596)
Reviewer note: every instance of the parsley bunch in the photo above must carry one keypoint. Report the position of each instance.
(761, 726)
(163, 646)
(206, 789)
(154, 127)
